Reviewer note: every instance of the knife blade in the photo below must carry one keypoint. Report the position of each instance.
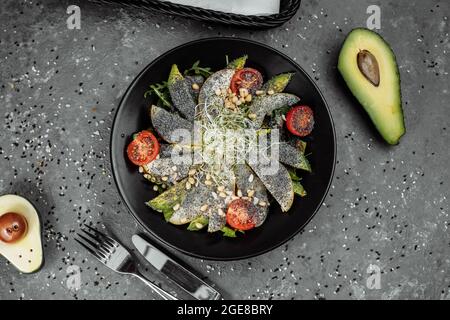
(184, 278)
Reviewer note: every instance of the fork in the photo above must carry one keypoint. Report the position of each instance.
(113, 255)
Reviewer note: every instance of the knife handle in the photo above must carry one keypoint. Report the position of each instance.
(189, 282)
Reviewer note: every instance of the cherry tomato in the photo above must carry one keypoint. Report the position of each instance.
(248, 78)
(143, 149)
(240, 214)
(300, 120)
(13, 227)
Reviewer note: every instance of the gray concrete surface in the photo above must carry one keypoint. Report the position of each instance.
(388, 206)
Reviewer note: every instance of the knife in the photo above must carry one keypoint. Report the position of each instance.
(184, 278)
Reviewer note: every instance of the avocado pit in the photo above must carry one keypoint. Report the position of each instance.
(13, 227)
(368, 65)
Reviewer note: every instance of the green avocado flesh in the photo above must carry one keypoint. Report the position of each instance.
(381, 98)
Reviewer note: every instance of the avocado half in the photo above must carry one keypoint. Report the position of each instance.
(26, 254)
(368, 66)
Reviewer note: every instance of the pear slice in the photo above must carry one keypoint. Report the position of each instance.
(25, 254)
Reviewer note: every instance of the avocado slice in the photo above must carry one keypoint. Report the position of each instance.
(181, 93)
(167, 200)
(368, 66)
(166, 123)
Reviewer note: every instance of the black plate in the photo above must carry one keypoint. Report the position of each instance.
(279, 227)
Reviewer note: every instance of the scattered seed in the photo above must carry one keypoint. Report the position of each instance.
(251, 177)
(222, 194)
(220, 188)
(259, 92)
(208, 176)
(188, 186)
(248, 98)
(208, 182)
(204, 207)
(198, 225)
(238, 103)
(176, 207)
(155, 188)
(218, 92)
(239, 193)
(164, 178)
(192, 172)
(191, 180)
(250, 193)
(141, 169)
(195, 86)
(252, 116)
(262, 203)
(221, 212)
(270, 92)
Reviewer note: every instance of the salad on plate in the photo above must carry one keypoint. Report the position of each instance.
(223, 147)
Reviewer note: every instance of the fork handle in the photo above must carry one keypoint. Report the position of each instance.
(161, 292)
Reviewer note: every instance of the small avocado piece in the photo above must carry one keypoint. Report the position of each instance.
(25, 253)
(167, 200)
(368, 66)
(238, 63)
(175, 75)
(278, 83)
(298, 189)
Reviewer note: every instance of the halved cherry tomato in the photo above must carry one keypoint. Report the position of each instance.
(300, 120)
(240, 214)
(143, 149)
(248, 78)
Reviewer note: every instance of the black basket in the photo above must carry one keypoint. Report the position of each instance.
(288, 8)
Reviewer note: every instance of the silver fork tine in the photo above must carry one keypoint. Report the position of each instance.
(93, 252)
(106, 248)
(94, 246)
(100, 234)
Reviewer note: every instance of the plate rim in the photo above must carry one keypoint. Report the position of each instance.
(112, 148)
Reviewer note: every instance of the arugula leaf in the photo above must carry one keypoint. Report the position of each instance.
(161, 90)
(298, 188)
(198, 223)
(197, 70)
(229, 232)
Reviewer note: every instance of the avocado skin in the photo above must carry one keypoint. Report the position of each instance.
(391, 134)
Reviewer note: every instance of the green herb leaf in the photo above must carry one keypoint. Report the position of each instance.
(196, 69)
(198, 223)
(161, 90)
(230, 233)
